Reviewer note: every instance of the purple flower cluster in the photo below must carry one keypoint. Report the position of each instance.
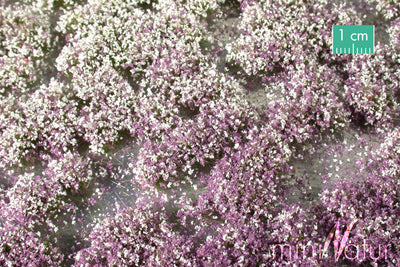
(24, 247)
(372, 199)
(37, 126)
(371, 87)
(26, 43)
(136, 236)
(306, 102)
(389, 9)
(126, 142)
(275, 35)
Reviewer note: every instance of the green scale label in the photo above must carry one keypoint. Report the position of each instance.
(353, 39)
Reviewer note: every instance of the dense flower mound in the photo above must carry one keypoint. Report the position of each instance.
(394, 31)
(42, 124)
(93, 36)
(389, 8)
(374, 200)
(306, 102)
(105, 106)
(130, 134)
(26, 43)
(371, 87)
(23, 247)
(277, 34)
(136, 236)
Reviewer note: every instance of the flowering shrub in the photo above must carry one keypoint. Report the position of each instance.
(136, 236)
(394, 33)
(46, 198)
(276, 34)
(390, 9)
(20, 246)
(26, 43)
(41, 123)
(306, 102)
(93, 36)
(374, 199)
(195, 143)
(370, 92)
(130, 134)
(105, 107)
